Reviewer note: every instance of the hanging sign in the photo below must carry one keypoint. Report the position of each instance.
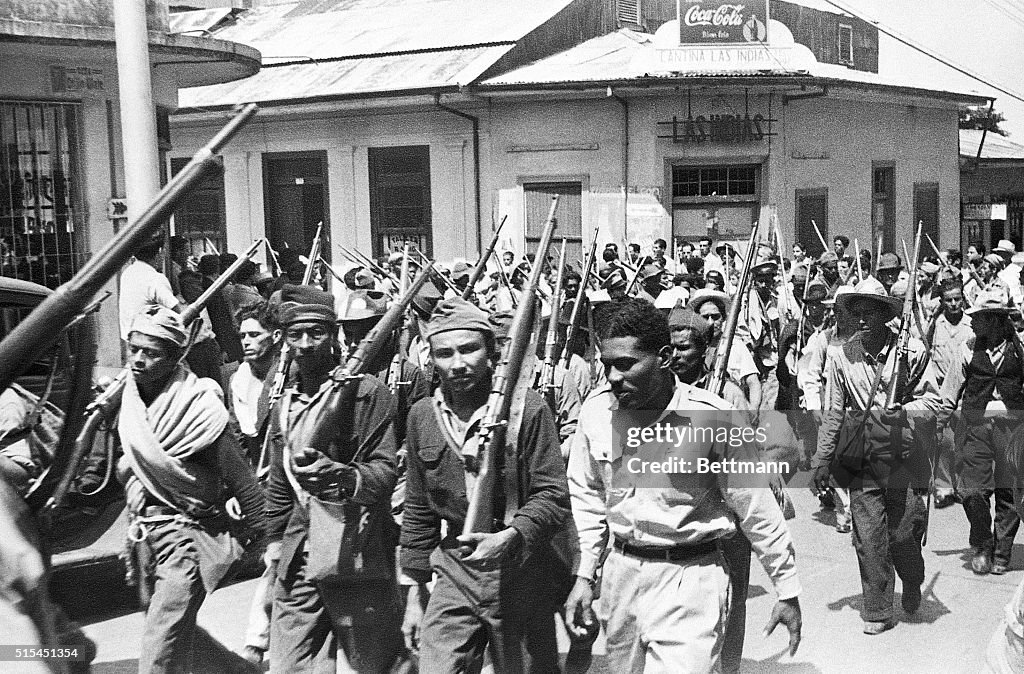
(716, 22)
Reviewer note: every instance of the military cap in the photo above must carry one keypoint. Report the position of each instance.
(995, 261)
(828, 257)
(461, 270)
(889, 261)
(458, 314)
(683, 317)
(162, 323)
(363, 304)
(300, 304)
(817, 291)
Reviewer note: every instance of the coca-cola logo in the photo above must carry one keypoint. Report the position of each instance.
(723, 15)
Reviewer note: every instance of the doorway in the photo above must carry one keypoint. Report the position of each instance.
(295, 200)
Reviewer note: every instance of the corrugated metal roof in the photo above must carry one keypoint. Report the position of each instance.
(429, 70)
(201, 20)
(996, 146)
(613, 57)
(319, 29)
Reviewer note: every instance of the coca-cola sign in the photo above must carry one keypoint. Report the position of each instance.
(718, 22)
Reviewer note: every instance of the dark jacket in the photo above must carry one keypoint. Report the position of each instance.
(371, 435)
(436, 487)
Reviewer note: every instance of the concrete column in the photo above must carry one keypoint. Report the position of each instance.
(138, 115)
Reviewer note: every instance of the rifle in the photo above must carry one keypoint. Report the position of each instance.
(35, 335)
(107, 403)
(337, 409)
(478, 271)
(899, 378)
(820, 237)
(546, 381)
(284, 361)
(856, 249)
(716, 382)
(784, 295)
(314, 256)
(574, 317)
(493, 428)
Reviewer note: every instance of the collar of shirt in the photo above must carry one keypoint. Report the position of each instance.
(995, 354)
(465, 433)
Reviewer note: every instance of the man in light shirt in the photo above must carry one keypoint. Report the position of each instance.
(665, 585)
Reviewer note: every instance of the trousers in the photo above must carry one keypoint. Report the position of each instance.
(983, 472)
(502, 611)
(257, 633)
(177, 595)
(888, 526)
(665, 617)
(316, 628)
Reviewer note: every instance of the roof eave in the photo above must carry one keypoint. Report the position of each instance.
(653, 83)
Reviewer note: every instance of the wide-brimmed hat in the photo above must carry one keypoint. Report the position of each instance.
(705, 295)
(889, 261)
(725, 247)
(364, 304)
(828, 257)
(1005, 246)
(841, 290)
(995, 260)
(766, 268)
(929, 267)
(992, 301)
(870, 289)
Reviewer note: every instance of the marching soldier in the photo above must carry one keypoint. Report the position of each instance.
(950, 333)
(177, 454)
(762, 317)
(885, 477)
(250, 389)
(336, 602)
(665, 584)
(986, 378)
(713, 307)
(492, 589)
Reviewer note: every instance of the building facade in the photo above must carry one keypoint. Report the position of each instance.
(61, 164)
(992, 189)
(573, 100)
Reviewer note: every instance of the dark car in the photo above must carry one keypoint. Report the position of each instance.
(85, 536)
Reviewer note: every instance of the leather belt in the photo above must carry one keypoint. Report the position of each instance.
(678, 553)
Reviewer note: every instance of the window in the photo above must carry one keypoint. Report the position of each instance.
(40, 202)
(724, 181)
(811, 210)
(537, 204)
(400, 198)
(628, 11)
(200, 216)
(716, 201)
(846, 44)
(926, 211)
(883, 200)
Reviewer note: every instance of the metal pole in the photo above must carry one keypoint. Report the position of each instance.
(138, 113)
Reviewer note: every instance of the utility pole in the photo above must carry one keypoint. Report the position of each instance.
(138, 113)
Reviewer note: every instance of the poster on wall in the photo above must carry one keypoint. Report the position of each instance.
(714, 22)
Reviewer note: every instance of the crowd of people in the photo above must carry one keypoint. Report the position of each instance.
(232, 436)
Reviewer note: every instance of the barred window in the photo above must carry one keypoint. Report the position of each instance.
(40, 202)
(722, 181)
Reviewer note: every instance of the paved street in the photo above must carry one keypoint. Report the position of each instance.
(950, 633)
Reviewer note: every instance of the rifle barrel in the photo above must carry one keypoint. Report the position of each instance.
(35, 335)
